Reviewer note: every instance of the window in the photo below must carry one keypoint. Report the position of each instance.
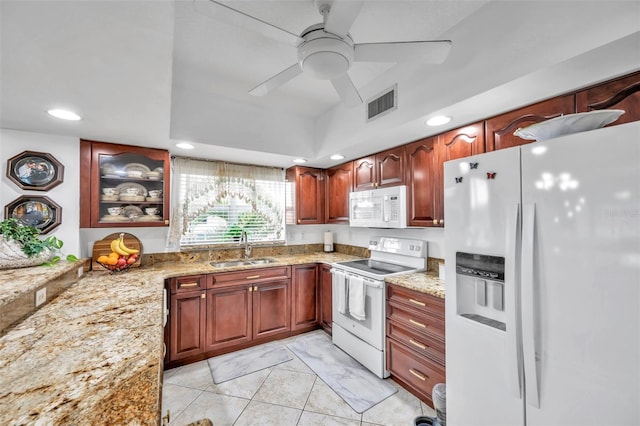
(213, 202)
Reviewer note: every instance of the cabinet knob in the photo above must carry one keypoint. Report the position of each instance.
(435, 221)
(441, 222)
(203, 296)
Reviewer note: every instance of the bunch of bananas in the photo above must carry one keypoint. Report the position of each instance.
(121, 256)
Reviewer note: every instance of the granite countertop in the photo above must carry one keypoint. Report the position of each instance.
(94, 355)
(15, 282)
(424, 282)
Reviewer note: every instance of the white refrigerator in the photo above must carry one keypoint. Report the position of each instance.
(542, 256)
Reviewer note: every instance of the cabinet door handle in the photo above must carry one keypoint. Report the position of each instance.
(417, 344)
(417, 302)
(419, 324)
(203, 296)
(189, 285)
(418, 375)
(251, 277)
(255, 288)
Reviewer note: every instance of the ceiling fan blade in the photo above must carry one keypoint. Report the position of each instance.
(346, 90)
(341, 16)
(276, 81)
(430, 52)
(240, 19)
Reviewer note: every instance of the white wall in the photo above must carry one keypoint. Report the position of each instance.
(67, 195)
(344, 234)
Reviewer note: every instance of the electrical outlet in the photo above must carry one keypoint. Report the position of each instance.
(80, 271)
(41, 296)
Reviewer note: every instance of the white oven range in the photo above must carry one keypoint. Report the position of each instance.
(359, 297)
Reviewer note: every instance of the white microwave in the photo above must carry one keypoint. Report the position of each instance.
(379, 208)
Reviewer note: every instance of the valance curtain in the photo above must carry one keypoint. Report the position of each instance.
(213, 202)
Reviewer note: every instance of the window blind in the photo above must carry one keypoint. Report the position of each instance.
(213, 202)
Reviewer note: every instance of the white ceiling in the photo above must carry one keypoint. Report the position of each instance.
(156, 72)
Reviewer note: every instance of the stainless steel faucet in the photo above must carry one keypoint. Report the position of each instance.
(244, 241)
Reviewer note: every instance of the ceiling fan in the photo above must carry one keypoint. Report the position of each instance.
(326, 50)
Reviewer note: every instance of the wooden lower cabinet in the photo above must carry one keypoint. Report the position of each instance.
(326, 294)
(271, 311)
(304, 291)
(228, 315)
(415, 340)
(239, 309)
(187, 324)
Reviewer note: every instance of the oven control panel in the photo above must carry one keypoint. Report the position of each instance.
(401, 246)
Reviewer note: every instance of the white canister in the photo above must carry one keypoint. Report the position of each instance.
(328, 241)
(441, 270)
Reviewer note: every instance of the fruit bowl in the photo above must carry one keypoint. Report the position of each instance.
(128, 262)
(118, 252)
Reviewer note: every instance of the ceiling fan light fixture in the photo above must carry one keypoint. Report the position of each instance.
(326, 57)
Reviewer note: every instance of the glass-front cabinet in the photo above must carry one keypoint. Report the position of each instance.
(123, 186)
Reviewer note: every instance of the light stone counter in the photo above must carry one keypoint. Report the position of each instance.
(94, 355)
(424, 282)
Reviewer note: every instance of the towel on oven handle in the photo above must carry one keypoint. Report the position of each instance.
(341, 290)
(357, 294)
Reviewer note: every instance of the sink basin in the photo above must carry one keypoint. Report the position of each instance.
(228, 263)
(261, 261)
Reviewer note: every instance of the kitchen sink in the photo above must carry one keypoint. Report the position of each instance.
(228, 263)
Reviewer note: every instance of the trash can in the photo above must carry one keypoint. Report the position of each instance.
(439, 397)
(425, 421)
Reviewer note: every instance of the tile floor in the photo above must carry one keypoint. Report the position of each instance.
(287, 394)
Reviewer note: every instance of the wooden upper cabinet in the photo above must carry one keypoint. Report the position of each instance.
(622, 93)
(339, 185)
(386, 168)
(308, 194)
(364, 171)
(499, 130)
(460, 143)
(422, 182)
(121, 167)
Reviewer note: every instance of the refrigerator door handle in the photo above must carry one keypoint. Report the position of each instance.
(512, 297)
(529, 343)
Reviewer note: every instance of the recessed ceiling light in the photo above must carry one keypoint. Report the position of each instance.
(184, 145)
(337, 157)
(299, 160)
(64, 114)
(438, 120)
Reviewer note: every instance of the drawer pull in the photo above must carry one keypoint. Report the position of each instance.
(419, 324)
(417, 302)
(417, 344)
(251, 277)
(189, 285)
(418, 375)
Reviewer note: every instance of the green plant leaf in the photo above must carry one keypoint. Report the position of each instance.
(71, 258)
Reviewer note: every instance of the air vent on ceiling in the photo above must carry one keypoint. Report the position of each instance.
(382, 104)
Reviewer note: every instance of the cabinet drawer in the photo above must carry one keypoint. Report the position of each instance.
(419, 373)
(415, 320)
(250, 276)
(417, 300)
(188, 283)
(419, 342)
